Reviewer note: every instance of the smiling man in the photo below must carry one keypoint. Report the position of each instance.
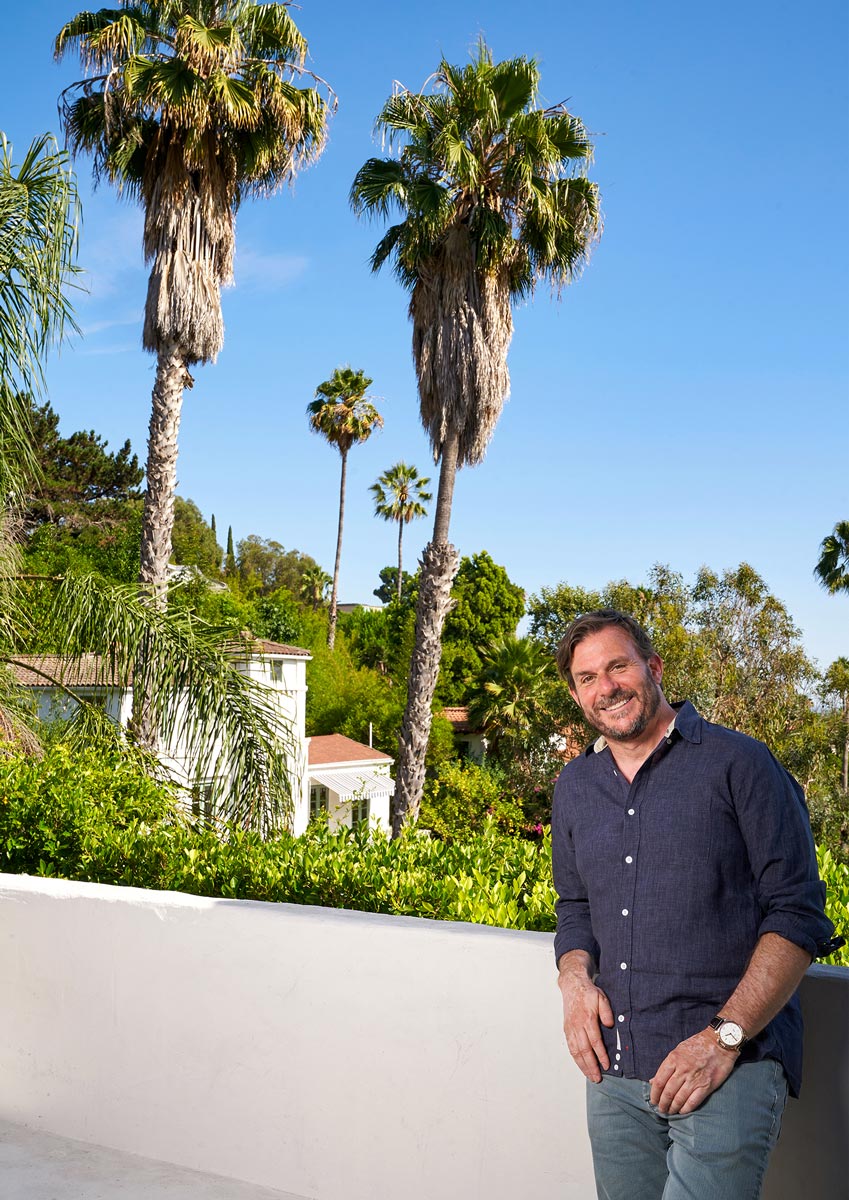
(689, 909)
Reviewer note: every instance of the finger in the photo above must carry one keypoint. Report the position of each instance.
(662, 1076)
(696, 1098)
(605, 1011)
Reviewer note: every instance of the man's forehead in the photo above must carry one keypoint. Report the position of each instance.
(596, 649)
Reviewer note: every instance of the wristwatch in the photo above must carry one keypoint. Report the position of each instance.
(729, 1035)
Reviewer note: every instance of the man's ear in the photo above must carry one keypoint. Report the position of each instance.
(655, 665)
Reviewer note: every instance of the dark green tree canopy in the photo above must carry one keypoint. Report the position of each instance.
(193, 541)
(81, 479)
(488, 606)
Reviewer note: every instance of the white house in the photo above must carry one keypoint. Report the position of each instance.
(348, 781)
(352, 782)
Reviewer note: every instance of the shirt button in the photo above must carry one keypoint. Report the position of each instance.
(628, 858)
(624, 912)
(669, 741)
(623, 966)
(620, 1017)
(618, 1056)
(616, 1066)
(630, 812)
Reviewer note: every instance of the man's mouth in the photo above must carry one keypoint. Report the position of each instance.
(617, 704)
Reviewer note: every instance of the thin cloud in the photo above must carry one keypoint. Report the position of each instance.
(257, 271)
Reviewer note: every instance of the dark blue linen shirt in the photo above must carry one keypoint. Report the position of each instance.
(669, 882)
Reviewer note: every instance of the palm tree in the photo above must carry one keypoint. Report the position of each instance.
(493, 197)
(232, 726)
(189, 106)
(314, 584)
(342, 413)
(832, 569)
(509, 698)
(399, 495)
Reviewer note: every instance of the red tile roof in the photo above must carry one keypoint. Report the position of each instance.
(90, 670)
(336, 748)
(458, 715)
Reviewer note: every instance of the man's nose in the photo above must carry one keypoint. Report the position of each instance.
(606, 683)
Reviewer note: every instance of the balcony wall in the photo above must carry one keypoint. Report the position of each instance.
(331, 1054)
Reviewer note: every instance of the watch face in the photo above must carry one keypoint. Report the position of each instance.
(730, 1034)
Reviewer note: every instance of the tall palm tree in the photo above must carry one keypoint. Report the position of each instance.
(314, 584)
(832, 569)
(342, 413)
(493, 198)
(189, 106)
(399, 495)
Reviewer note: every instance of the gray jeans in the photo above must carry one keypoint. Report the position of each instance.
(718, 1152)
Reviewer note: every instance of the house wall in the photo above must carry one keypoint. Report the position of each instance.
(337, 1055)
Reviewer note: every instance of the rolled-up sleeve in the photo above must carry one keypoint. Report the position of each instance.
(774, 822)
(574, 926)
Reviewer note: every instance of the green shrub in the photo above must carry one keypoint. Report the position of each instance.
(97, 817)
(461, 796)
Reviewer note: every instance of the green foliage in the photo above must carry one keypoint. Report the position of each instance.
(460, 797)
(81, 481)
(835, 876)
(832, 569)
(90, 819)
(264, 566)
(344, 698)
(193, 542)
(388, 590)
(487, 607)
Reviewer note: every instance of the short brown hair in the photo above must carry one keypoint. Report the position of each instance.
(593, 622)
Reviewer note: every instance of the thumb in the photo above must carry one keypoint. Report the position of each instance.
(605, 1012)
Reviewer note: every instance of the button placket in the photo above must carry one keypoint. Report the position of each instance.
(631, 837)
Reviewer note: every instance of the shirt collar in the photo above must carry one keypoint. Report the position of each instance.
(686, 720)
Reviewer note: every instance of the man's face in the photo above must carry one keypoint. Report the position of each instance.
(619, 693)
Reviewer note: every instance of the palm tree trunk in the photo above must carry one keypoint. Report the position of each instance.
(172, 377)
(439, 566)
(331, 626)
(846, 750)
(400, 535)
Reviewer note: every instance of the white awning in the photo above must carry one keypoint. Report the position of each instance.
(353, 782)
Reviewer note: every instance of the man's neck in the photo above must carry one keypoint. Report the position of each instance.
(629, 755)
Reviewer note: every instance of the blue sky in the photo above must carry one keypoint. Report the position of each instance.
(685, 402)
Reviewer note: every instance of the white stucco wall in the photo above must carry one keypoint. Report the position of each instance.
(338, 1055)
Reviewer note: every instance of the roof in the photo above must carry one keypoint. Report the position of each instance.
(260, 646)
(458, 715)
(30, 670)
(89, 670)
(336, 748)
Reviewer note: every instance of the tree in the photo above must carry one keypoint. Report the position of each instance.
(188, 108)
(39, 215)
(230, 567)
(832, 569)
(229, 722)
(82, 482)
(265, 566)
(399, 495)
(493, 198)
(342, 413)
(314, 584)
(509, 702)
(486, 607)
(836, 683)
(193, 541)
(391, 588)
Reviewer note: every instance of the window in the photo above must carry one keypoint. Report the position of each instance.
(318, 800)
(203, 804)
(359, 809)
(276, 669)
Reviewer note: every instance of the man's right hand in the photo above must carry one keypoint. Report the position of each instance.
(584, 1006)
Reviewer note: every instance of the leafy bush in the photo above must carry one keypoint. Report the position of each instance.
(462, 796)
(99, 818)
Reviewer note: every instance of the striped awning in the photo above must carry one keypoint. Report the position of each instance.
(353, 782)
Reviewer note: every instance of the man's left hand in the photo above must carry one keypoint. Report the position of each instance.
(690, 1072)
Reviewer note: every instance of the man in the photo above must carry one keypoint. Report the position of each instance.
(689, 910)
